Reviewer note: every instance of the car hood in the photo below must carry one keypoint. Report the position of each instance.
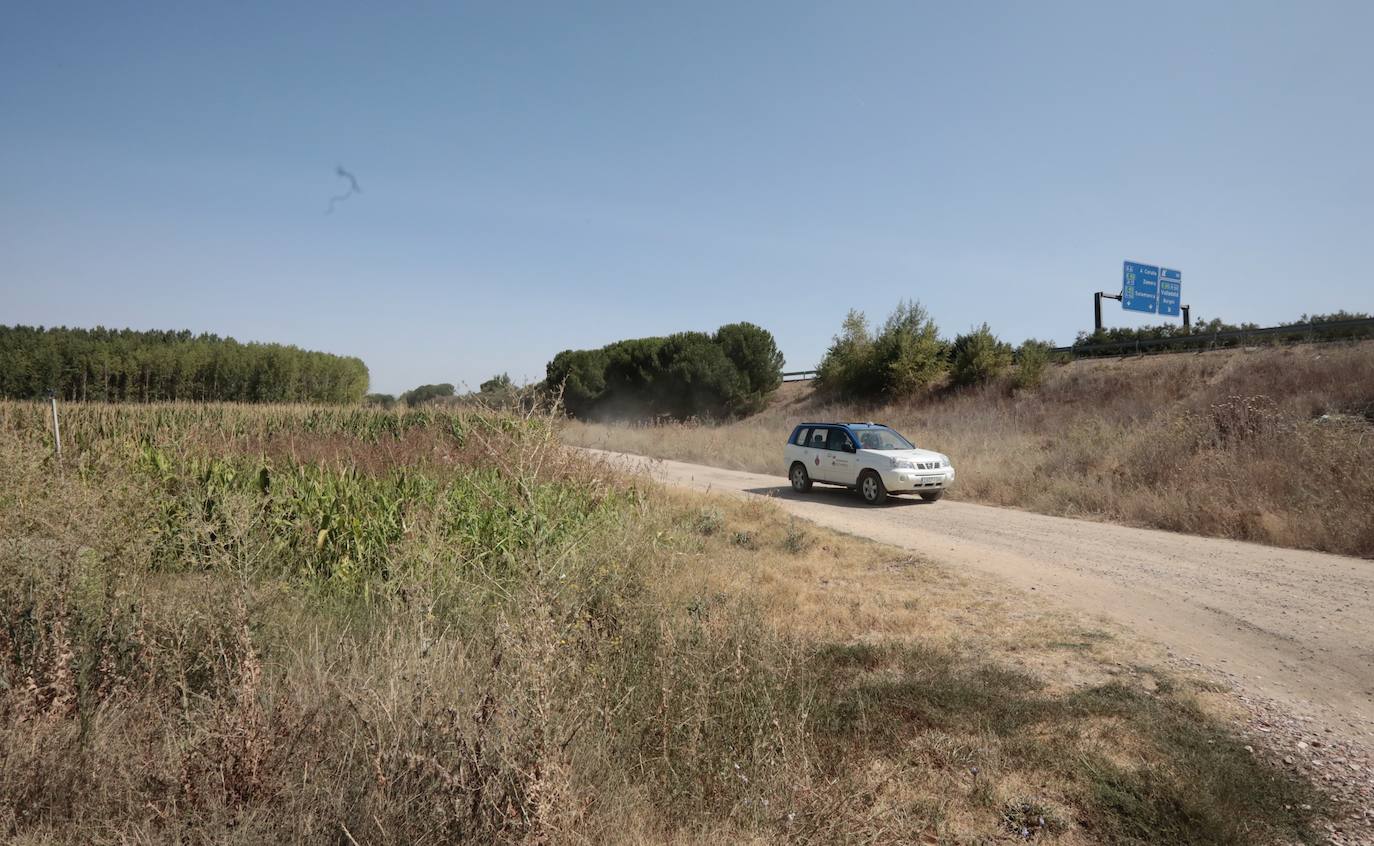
(910, 454)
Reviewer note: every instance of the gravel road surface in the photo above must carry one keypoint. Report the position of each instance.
(1291, 626)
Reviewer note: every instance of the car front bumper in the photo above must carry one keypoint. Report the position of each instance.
(915, 481)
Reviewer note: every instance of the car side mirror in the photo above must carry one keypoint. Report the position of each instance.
(847, 447)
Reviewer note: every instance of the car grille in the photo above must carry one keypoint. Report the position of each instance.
(927, 465)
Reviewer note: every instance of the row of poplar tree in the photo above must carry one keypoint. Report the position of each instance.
(125, 365)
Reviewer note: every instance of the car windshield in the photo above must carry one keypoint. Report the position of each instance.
(882, 439)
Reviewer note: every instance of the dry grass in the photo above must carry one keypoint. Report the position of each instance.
(483, 638)
(951, 708)
(1274, 445)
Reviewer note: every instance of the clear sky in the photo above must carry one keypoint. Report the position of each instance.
(543, 176)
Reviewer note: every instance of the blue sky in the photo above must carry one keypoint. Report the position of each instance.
(546, 176)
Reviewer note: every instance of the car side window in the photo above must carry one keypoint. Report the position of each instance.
(801, 436)
(838, 438)
(818, 437)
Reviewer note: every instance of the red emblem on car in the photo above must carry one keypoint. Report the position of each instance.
(818, 461)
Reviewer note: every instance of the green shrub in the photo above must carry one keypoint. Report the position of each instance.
(1031, 359)
(796, 541)
(979, 356)
(744, 539)
(909, 351)
(907, 355)
(849, 367)
(708, 521)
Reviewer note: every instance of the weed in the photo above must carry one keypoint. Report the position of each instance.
(708, 521)
(797, 540)
(1031, 818)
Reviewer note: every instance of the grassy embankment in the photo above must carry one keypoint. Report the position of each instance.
(1269, 445)
(288, 624)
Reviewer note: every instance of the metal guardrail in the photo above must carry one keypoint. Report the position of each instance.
(1297, 332)
(799, 376)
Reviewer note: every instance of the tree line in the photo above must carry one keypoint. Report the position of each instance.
(688, 374)
(126, 365)
(907, 354)
(1314, 324)
(500, 391)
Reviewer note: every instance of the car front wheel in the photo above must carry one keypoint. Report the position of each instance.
(872, 489)
(801, 480)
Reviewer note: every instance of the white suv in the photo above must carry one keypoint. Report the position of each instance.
(868, 457)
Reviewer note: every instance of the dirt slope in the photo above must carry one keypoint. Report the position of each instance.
(1293, 626)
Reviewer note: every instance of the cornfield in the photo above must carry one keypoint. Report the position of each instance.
(249, 624)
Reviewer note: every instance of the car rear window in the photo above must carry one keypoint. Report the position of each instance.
(800, 437)
(818, 436)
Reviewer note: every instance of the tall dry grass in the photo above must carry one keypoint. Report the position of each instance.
(1268, 445)
(293, 625)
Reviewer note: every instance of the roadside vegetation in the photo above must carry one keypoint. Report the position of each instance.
(344, 625)
(1272, 444)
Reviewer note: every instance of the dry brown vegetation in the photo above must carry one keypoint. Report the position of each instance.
(224, 624)
(1274, 445)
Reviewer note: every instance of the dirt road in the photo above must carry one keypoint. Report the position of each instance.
(1292, 626)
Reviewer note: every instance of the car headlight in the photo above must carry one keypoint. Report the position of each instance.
(902, 464)
(944, 461)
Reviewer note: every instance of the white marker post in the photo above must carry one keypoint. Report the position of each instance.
(56, 427)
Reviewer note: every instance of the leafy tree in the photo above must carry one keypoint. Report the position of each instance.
(697, 378)
(581, 375)
(688, 374)
(756, 357)
(497, 385)
(425, 393)
(498, 391)
(383, 400)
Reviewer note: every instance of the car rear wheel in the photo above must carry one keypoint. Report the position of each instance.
(872, 489)
(932, 496)
(801, 480)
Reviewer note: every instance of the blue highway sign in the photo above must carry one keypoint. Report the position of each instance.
(1140, 287)
(1170, 291)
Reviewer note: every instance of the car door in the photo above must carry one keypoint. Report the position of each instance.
(817, 456)
(798, 448)
(843, 465)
